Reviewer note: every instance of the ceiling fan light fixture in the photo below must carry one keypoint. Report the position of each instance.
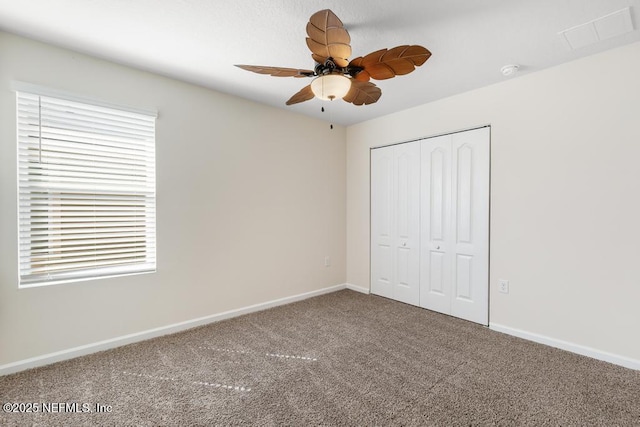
(338, 77)
(330, 86)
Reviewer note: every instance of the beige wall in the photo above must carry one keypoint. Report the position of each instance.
(565, 198)
(250, 199)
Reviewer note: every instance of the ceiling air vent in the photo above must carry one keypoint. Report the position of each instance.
(612, 25)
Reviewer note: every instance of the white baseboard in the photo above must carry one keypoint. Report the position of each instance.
(83, 350)
(564, 345)
(357, 288)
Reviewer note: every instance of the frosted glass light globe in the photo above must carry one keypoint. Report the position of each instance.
(330, 86)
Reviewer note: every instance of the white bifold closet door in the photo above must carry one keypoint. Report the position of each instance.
(454, 217)
(395, 222)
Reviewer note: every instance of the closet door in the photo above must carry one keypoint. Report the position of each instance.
(382, 221)
(470, 225)
(454, 260)
(436, 236)
(407, 223)
(395, 218)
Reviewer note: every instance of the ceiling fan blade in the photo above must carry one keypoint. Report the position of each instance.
(328, 38)
(305, 94)
(277, 71)
(362, 93)
(319, 59)
(387, 63)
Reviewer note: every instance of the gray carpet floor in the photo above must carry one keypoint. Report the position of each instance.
(338, 359)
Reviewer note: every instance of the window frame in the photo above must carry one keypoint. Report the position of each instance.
(139, 211)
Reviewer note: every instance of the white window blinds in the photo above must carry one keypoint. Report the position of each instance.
(86, 190)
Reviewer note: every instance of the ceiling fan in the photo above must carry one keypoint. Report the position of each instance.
(336, 76)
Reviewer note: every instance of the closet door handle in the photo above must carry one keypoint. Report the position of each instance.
(404, 244)
(438, 247)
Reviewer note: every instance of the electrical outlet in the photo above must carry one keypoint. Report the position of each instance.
(503, 286)
(327, 261)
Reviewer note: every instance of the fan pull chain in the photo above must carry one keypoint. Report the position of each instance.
(330, 118)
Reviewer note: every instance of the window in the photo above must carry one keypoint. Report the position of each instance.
(87, 198)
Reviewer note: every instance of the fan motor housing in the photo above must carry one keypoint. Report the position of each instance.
(330, 67)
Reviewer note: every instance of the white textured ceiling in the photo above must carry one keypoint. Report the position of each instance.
(199, 40)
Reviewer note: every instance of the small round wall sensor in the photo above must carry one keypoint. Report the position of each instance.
(509, 70)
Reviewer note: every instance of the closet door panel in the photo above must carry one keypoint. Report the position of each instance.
(470, 217)
(430, 223)
(382, 222)
(435, 264)
(407, 222)
(464, 277)
(464, 174)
